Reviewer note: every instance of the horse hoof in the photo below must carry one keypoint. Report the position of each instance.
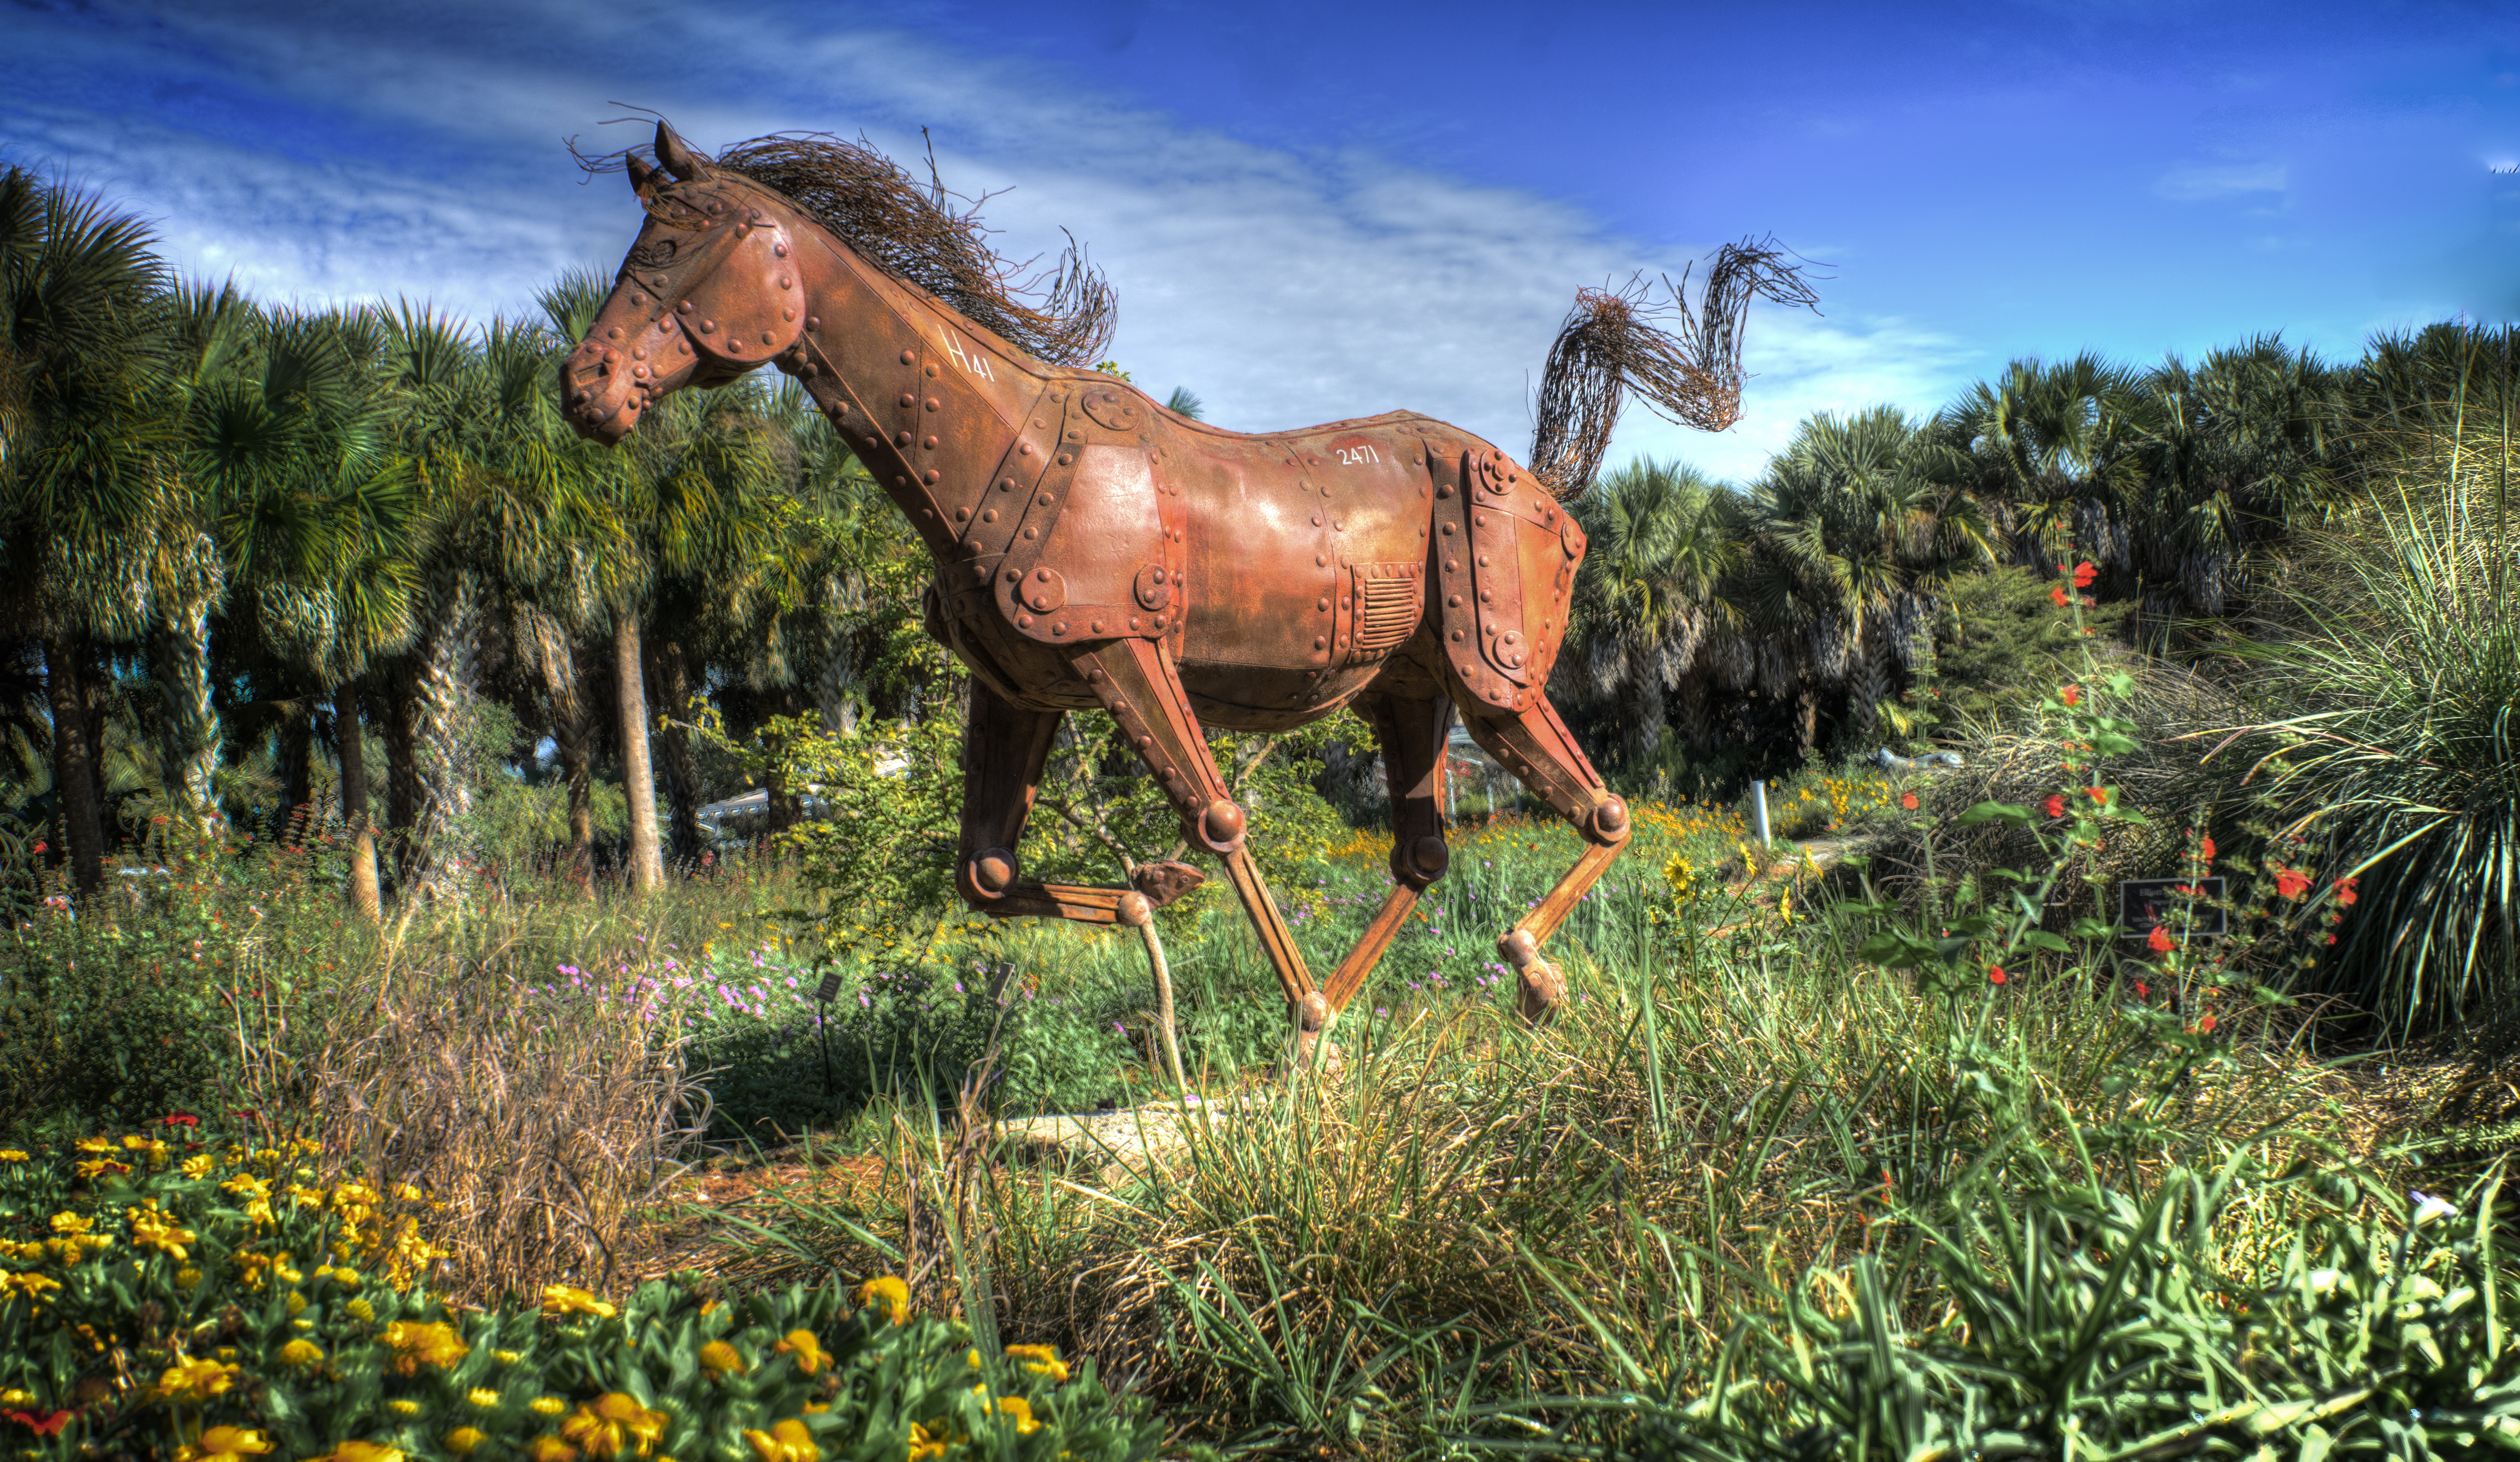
(1538, 994)
(1164, 882)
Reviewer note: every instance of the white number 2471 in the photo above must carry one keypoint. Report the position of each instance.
(1356, 456)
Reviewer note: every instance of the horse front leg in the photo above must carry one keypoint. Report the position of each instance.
(1004, 750)
(1537, 749)
(1137, 683)
(1412, 735)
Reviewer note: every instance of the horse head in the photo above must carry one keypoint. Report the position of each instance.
(707, 293)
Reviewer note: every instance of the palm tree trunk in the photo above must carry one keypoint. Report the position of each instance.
(297, 769)
(75, 769)
(190, 736)
(402, 773)
(670, 669)
(638, 778)
(446, 710)
(365, 898)
(574, 735)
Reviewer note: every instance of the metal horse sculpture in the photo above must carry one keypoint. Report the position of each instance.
(1094, 549)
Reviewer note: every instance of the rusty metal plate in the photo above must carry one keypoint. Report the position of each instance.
(1112, 407)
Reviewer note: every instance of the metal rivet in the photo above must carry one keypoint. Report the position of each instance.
(933, 403)
(962, 514)
(765, 337)
(1319, 642)
(613, 334)
(931, 372)
(989, 516)
(1060, 629)
(813, 322)
(932, 474)
(1323, 606)
(930, 444)
(779, 250)
(784, 283)
(909, 399)
(1097, 627)
(1046, 500)
(1032, 533)
(1316, 519)
(1023, 621)
(901, 440)
(1025, 450)
(1320, 560)
(1064, 459)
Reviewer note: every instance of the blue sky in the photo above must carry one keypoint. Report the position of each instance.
(1315, 210)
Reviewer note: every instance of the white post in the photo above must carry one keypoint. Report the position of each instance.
(1759, 810)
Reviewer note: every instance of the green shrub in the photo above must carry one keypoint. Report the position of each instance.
(159, 1298)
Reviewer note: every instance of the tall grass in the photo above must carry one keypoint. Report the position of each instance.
(2391, 745)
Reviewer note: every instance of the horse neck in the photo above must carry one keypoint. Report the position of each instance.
(895, 370)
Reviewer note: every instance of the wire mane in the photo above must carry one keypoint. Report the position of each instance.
(1064, 316)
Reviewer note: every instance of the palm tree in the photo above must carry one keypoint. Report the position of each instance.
(1651, 599)
(1850, 530)
(86, 460)
(2240, 453)
(2054, 450)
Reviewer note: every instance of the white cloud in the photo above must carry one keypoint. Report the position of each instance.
(1283, 287)
(2197, 181)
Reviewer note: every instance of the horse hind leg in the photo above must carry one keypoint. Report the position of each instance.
(1537, 749)
(1412, 735)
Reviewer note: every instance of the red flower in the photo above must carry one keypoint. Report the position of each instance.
(2143, 990)
(1995, 974)
(2084, 574)
(2206, 1025)
(2205, 850)
(1908, 800)
(2059, 595)
(2291, 883)
(2158, 941)
(2056, 805)
(2099, 796)
(179, 1119)
(2331, 939)
(2072, 695)
(2345, 894)
(47, 1427)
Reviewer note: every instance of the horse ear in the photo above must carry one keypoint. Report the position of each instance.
(678, 160)
(641, 175)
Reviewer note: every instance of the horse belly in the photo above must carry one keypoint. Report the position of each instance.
(1306, 567)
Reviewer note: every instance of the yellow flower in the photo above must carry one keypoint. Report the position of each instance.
(562, 1298)
(224, 1444)
(33, 1286)
(348, 1279)
(155, 1147)
(972, 1357)
(808, 1350)
(361, 1309)
(403, 1408)
(550, 1405)
(551, 1449)
(195, 1380)
(13, 1396)
(100, 1168)
(611, 1423)
(888, 1292)
(198, 1165)
(1041, 1361)
(1021, 1410)
(717, 1355)
(296, 1303)
(482, 1396)
(421, 1344)
(789, 1442)
(463, 1440)
(926, 1445)
(72, 1226)
(301, 1352)
(96, 1145)
(11, 1155)
(362, 1451)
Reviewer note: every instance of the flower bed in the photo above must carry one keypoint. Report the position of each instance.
(161, 1295)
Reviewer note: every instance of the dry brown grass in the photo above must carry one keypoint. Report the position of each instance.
(538, 1125)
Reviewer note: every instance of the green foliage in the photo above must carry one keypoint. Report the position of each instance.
(2387, 742)
(1998, 641)
(159, 1297)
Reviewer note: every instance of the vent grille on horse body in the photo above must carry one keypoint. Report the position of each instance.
(1389, 613)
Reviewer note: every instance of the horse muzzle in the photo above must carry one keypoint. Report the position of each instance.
(606, 383)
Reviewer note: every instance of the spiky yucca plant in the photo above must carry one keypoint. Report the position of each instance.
(2394, 746)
